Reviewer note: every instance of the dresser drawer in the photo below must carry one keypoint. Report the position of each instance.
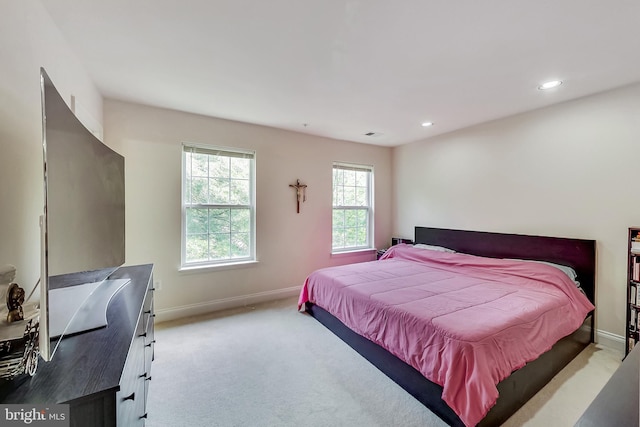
(130, 400)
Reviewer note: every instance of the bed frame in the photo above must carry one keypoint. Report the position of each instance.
(522, 384)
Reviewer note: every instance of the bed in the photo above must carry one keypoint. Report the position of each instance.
(478, 268)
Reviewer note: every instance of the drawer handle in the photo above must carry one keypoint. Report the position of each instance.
(143, 335)
(149, 345)
(132, 396)
(148, 378)
(143, 375)
(143, 416)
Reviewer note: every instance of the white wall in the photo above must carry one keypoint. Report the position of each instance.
(570, 170)
(29, 40)
(289, 245)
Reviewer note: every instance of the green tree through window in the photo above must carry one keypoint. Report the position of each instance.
(218, 207)
(352, 207)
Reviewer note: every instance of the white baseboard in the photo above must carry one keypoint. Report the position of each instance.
(166, 314)
(610, 340)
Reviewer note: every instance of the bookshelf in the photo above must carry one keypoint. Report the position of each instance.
(633, 289)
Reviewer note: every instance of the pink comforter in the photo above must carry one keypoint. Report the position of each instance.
(464, 322)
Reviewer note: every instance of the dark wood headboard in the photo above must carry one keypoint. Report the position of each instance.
(576, 253)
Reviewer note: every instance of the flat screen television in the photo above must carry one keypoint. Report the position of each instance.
(83, 224)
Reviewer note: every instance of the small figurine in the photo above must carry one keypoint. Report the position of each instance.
(19, 336)
(15, 299)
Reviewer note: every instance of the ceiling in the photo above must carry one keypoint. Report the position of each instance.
(344, 68)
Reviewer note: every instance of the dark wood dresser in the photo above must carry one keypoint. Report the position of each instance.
(102, 374)
(617, 403)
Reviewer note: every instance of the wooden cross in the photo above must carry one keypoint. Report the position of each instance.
(301, 192)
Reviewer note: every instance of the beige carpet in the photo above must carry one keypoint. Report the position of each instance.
(269, 365)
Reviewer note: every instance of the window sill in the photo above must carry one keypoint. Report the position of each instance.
(191, 269)
(353, 252)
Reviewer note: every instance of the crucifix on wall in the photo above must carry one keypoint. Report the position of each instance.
(301, 193)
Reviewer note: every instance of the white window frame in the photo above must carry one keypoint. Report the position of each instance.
(344, 207)
(187, 204)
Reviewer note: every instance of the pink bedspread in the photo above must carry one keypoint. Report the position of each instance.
(464, 322)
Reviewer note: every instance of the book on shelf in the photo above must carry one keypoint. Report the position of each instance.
(633, 320)
(632, 343)
(633, 294)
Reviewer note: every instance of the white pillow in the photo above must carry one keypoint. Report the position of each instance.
(434, 248)
(565, 269)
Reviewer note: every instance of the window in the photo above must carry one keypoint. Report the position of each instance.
(352, 207)
(218, 206)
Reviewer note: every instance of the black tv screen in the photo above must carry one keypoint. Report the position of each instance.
(84, 211)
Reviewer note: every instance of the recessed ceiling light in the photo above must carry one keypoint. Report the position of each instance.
(427, 124)
(550, 84)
